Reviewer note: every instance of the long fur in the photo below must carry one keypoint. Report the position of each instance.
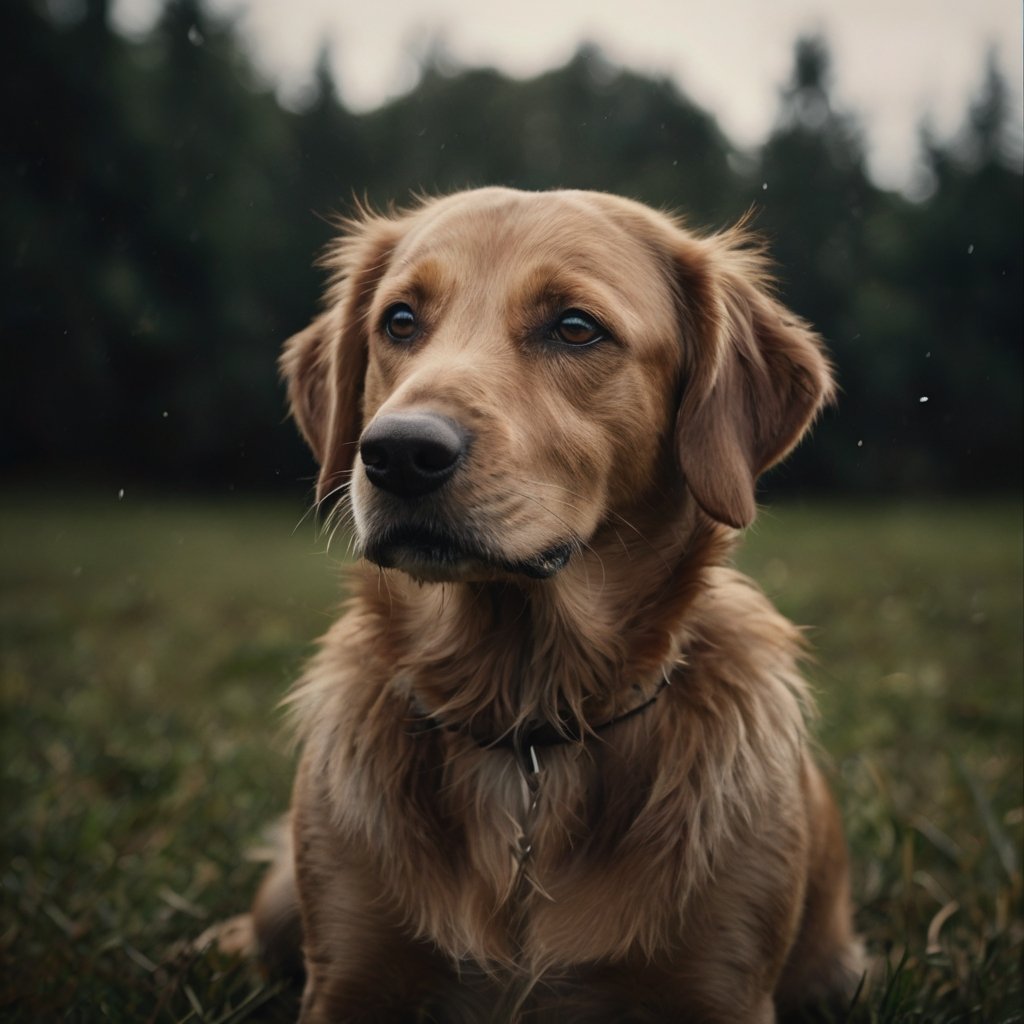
(685, 863)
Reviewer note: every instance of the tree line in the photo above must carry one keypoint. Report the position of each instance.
(161, 211)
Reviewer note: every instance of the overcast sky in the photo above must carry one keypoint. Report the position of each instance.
(895, 61)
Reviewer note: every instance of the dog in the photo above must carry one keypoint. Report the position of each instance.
(554, 757)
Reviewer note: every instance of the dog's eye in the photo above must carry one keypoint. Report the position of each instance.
(400, 323)
(576, 328)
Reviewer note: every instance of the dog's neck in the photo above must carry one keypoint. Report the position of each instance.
(579, 648)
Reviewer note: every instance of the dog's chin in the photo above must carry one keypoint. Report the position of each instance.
(430, 556)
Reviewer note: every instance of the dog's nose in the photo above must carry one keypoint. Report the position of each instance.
(411, 454)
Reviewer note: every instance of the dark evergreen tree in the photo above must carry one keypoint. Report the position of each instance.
(965, 271)
(160, 213)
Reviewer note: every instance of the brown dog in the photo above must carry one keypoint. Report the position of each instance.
(554, 758)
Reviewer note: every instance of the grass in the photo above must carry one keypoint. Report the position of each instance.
(144, 646)
(918, 622)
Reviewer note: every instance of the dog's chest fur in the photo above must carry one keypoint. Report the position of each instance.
(627, 825)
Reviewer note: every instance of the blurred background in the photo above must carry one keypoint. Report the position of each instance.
(169, 172)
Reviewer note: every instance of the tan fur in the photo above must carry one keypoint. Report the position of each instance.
(686, 863)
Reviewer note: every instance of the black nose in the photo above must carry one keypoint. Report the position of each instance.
(411, 453)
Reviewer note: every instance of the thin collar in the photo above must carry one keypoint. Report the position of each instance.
(524, 741)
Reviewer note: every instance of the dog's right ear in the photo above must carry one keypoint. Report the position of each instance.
(324, 366)
(305, 367)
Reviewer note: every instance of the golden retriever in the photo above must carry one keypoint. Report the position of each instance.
(554, 761)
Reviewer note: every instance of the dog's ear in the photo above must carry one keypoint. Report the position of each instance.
(304, 365)
(756, 374)
(324, 366)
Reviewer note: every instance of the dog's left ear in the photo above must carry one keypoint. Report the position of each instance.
(756, 374)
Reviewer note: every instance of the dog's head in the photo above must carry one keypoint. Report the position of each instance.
(499, 374)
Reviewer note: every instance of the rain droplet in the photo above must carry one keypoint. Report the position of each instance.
(165, 414)
(195, 37)
(764, 186)
(923, 398)
(120, 494)
(970, 249)
(860, 444)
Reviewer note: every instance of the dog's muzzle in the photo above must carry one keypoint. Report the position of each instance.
(410, 456)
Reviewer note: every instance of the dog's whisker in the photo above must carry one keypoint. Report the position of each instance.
(344, 520)
(340, 515)
(310, 510)
(346, 476)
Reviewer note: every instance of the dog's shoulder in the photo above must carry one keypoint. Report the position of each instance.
(732, 605)
(742, 650)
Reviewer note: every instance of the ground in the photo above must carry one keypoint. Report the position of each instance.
(145, 644)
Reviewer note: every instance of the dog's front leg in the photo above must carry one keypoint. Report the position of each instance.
(360, 965)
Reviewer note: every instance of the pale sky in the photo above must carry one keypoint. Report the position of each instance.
(895, 61)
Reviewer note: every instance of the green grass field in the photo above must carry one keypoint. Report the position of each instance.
(145, 645)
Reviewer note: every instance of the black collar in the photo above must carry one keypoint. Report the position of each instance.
(524, 740)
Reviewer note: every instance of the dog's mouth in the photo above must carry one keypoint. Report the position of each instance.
(433, 555)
